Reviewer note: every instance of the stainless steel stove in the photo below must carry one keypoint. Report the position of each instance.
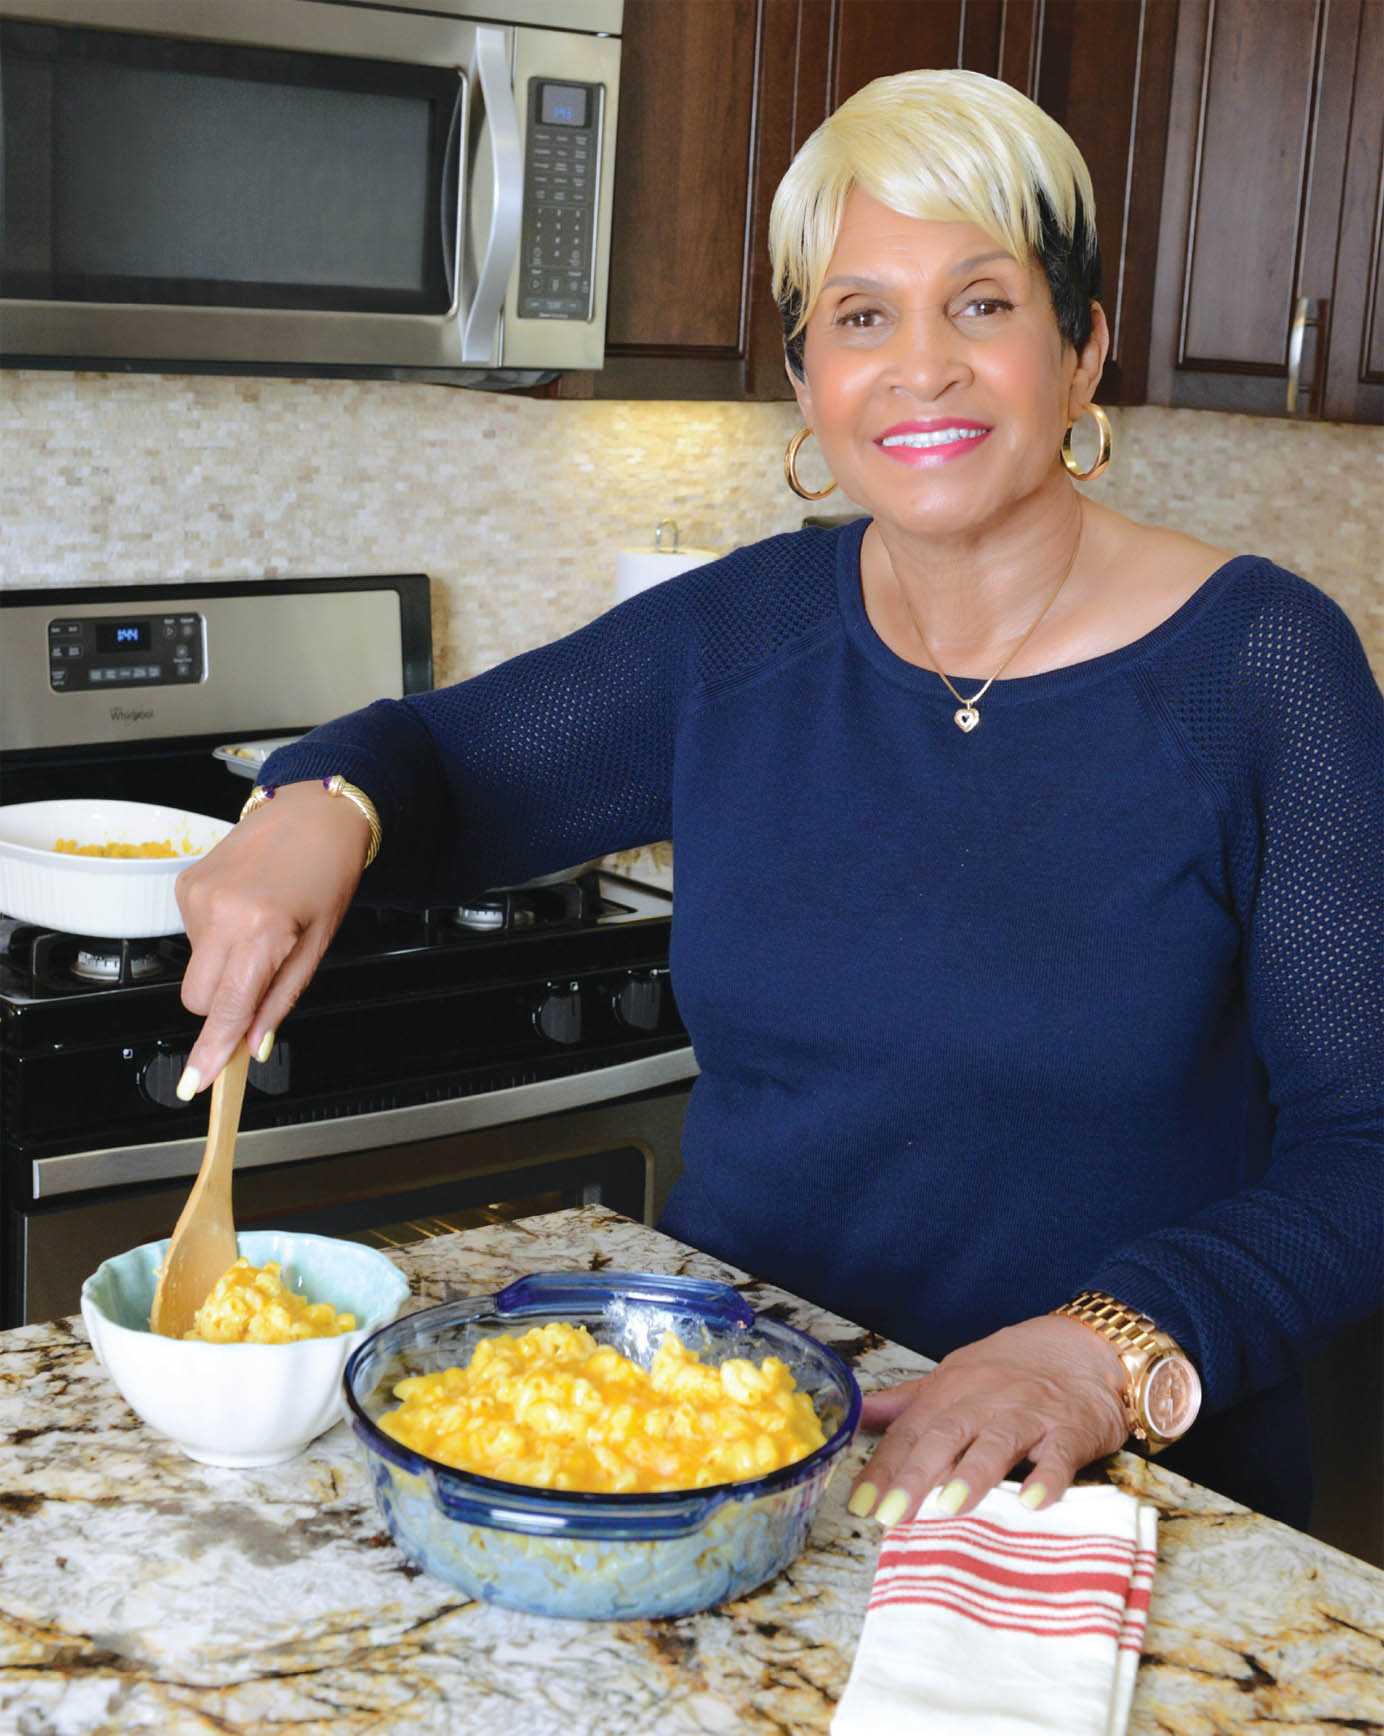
(520, 1051)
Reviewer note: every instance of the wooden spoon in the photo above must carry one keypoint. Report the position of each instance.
(203, 1244)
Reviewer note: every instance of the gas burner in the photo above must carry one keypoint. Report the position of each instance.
(503, 913)
(116, 961)
(46, 962)
(563, 901)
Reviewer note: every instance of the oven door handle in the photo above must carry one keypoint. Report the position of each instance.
(167, 1159)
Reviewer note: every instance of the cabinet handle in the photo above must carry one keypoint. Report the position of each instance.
(1306, 312)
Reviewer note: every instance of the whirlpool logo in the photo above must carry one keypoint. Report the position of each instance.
(131, 714)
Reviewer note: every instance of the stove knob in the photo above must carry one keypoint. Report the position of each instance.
(273, 1076)
(558, 1015)
(639, 1003)
(159, 1080)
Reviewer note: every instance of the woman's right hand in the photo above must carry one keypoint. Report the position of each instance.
(259, 910)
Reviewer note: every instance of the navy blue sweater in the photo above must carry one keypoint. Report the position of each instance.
(1093, 996)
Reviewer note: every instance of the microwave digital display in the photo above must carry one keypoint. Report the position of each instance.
(563, 105)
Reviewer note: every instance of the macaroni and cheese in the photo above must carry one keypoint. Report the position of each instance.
(249, 1305)
(139, 852)
(555, 1409)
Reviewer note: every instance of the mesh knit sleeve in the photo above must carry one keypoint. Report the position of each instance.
(1285, 724)
(565, 753)
(546, 761)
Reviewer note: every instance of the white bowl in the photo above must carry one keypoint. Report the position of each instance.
(240, 1404)
(118, 898)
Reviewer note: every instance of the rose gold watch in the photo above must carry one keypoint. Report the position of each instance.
(1162, 1392)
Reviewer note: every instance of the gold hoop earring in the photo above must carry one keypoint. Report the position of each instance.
(790, 469)
(1102, 422)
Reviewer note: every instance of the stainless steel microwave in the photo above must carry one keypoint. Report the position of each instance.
(325, 184)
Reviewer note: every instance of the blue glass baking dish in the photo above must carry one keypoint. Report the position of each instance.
(598, 1557)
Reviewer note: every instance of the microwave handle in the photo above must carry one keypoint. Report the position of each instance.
(507, 196)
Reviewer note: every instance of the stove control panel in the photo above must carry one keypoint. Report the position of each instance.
(115, 652)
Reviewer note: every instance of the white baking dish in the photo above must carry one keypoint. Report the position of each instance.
(110, 896)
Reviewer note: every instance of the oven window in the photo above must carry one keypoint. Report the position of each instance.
(614, 1178)
(138, 169)
(444, 1223)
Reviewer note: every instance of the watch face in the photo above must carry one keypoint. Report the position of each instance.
(1172, 1396)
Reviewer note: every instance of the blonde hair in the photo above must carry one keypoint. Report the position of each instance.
(940, 144)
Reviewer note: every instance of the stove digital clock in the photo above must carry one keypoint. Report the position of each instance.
(99, 651)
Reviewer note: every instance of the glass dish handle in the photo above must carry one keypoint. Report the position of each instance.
(658, 1517)
(556, 1292)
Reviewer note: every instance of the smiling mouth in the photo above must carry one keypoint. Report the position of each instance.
(934, 437)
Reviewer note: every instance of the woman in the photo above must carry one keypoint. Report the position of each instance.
(1058, 972)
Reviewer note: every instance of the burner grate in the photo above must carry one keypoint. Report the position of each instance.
(50, 962)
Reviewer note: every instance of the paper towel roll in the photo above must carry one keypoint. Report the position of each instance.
(637, 569)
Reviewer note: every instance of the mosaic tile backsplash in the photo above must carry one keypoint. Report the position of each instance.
(517, 507)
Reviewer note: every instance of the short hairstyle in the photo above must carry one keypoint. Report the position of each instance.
(942, 144)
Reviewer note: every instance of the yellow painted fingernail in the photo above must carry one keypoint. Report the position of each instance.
(187, 1085)
(1033, 1496)
(266, 1046)
(953, 1498)
(892, 1508)
(862, 1500)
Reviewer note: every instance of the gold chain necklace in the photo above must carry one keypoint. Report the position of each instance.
(966, 717)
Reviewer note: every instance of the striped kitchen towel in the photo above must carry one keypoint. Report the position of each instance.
(1005, 1622)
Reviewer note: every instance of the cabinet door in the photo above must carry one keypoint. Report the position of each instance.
(1259, 134)
(1103, 71)
(874, 38)
(1354, 384)
(717, 95)
(683, 184)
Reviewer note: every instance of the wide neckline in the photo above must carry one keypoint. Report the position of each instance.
(1015, 689)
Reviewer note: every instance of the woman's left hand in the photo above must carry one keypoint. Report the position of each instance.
(1046, 1389)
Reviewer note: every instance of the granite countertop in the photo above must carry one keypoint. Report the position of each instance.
(141, 1591)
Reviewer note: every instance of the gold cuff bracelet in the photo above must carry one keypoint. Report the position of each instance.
(335, 785)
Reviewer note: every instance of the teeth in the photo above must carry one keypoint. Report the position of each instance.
(937, 437)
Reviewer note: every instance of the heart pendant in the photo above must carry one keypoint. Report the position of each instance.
(966, 718)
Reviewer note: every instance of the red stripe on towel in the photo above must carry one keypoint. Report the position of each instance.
(1018, 1581)
(1034, 1615)
(1015, 1621)
(1030, 1544)
(1059, 1576)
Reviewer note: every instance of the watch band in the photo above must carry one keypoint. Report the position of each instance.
(1140, 1344)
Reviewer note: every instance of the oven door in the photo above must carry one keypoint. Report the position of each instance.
(291, 182)
(624, 1154)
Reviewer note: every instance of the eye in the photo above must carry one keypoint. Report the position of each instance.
(858, 316)
(986, 307)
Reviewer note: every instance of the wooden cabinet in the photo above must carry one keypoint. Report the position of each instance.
(681, 220)
(1269, 295)
(1103, 70)
(717, 95)
(1236, 150)
(708, 123)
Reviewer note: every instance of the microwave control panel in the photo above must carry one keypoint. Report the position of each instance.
(110, 652)
(562, 152)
